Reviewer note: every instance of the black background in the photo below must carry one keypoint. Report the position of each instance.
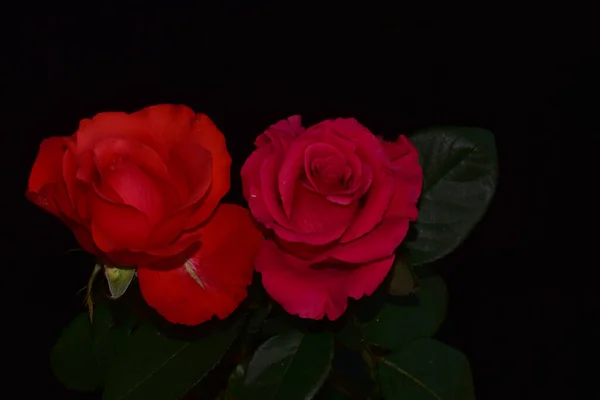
(526, 78)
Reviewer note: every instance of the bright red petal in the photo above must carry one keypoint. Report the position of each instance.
(214, 280)
(208, 135)
(168, 123)
(48, 164)
(118, 125)
(190, 165)
(46, 187)
(117, 226)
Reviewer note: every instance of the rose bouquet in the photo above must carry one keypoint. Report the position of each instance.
(322, 288)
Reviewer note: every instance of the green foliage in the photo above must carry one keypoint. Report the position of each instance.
(396, 325)
(424, 370)
(157, 367)
(139, 364)
(291, 365)
(460, 170)
(85, 350)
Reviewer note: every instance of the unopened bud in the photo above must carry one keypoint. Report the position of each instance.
(118, 279)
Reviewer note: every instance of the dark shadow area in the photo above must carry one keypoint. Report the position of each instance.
(512, 309)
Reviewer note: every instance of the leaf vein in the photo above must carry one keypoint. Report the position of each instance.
(441, 177)
(156, 370)
(411, 377)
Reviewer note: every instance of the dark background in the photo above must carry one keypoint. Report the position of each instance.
(526, 78)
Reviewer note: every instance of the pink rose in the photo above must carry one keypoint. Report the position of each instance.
(336, 202)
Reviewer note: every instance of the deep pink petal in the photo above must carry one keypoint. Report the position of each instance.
(409, 178)
(366, 278)
(316, 293)
(377, 201)
(367, 145)
(315, 220)
(250, 172)
(281, 133)
(270, 194)
(252, 187)
(379, 243)
(290, 171)
(320, 158)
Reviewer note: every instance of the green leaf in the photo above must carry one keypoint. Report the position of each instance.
(118, 279)
(84, 352)
(235, 384)
(157, 367)
(426, 370)
(257, 320)
(396, 325)
(292, 365)
(331, 392)
(460, 168)
(403, 282)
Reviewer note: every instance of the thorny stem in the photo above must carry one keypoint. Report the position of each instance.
(89, 301)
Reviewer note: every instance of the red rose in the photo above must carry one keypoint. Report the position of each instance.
(337, 201)
(142, 190)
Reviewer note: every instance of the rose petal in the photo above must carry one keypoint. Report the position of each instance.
(409, 178)
(251, 185)
(117, 125)
(315, 152)
(116, 226)
(209, 136)
(168, 124)
(387, 236)
(164, 258)
(167, 230)
(159, 127)
(138, 190)
(366, 278)
(367, 145)
(190, 167)
(281, 133)
(361, 183)
(269, 192)
(54, 199)
(106, 151)
(47, 167)
(316, 221)
(289, 172)
(376, 203)
(315, 293)
(213, 281)
(46, 187)
(76, 189)
(381, 242)
(84, 237)
(401, 148)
